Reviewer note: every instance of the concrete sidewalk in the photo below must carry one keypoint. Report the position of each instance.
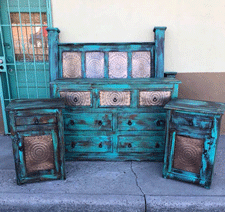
(110, 186)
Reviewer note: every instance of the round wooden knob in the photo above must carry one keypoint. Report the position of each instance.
(157, 145)
(160, 123)
(72, 144)
(36, 121)
(72, 122)
(129, 122)
(21, 148)
(190, 123)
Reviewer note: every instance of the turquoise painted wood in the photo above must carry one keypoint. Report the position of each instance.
(56, 50)
(114, 101)
(37, 134)
(159, 51)
(192, 132)
(109, 132)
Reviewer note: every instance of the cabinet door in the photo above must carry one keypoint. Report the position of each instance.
(38, 156)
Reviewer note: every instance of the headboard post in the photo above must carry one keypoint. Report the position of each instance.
(159, 51)
(53, 41)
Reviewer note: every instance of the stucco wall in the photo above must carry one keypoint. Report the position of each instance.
(195, 38)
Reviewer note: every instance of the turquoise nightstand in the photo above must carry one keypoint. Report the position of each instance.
(192, 132)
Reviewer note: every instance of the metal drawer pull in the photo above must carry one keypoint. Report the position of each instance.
(100, 145)
(72, 122)
(129, 145)
(75, 99)
(100, 123)
(21, 148)
(72, 144)
(155, 99)
(157, 145)
(160, 123)
(190, 123)
(36, 121)
(115, 100)
(129, 122)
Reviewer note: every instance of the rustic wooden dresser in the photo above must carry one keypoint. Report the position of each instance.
(114, 95)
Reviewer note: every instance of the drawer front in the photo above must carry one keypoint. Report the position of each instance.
(141, 121)
(141, 144)
(182, 120)
(114, 98)
(77, 98)
(88, 121)
(151, 98)
(88, 144)
(35, 120)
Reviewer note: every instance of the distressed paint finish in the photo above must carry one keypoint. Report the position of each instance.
(123, 132)
(37, 118)
(197, 120)
(159, 51)
(155, 49)
(103, 129)
(53, 33)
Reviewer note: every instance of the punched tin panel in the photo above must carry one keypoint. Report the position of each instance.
(114, 98)
(114, 65)
(77, 98)
(151, 98)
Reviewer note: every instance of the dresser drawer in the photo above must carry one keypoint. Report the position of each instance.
(35, 120)
(183, 120)
(88, 121)
(87, 144)
(114, 98)
(154, 98)
(140, 144)
(76, 98)
(141, 121)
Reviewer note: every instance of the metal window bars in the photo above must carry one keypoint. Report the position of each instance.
(24, 50)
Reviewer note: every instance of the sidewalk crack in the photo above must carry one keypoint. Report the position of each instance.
(136, 180)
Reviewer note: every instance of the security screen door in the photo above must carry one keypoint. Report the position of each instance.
(24, 67)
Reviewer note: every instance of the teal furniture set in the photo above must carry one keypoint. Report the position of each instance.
(114, 95)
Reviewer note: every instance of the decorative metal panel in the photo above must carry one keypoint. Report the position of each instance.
(95, 65)
(151, 98)
(79, 98)
(141, 65)
(118, 64)
(39, 153)
(71, 64)
(114, 98)
(188, 154)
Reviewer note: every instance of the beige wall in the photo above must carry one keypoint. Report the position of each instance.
(195, 37)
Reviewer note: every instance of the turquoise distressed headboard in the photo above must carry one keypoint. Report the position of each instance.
(106, 60)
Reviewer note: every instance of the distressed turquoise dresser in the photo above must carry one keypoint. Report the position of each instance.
(114, 94)
(36, 128)
(192, 132)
